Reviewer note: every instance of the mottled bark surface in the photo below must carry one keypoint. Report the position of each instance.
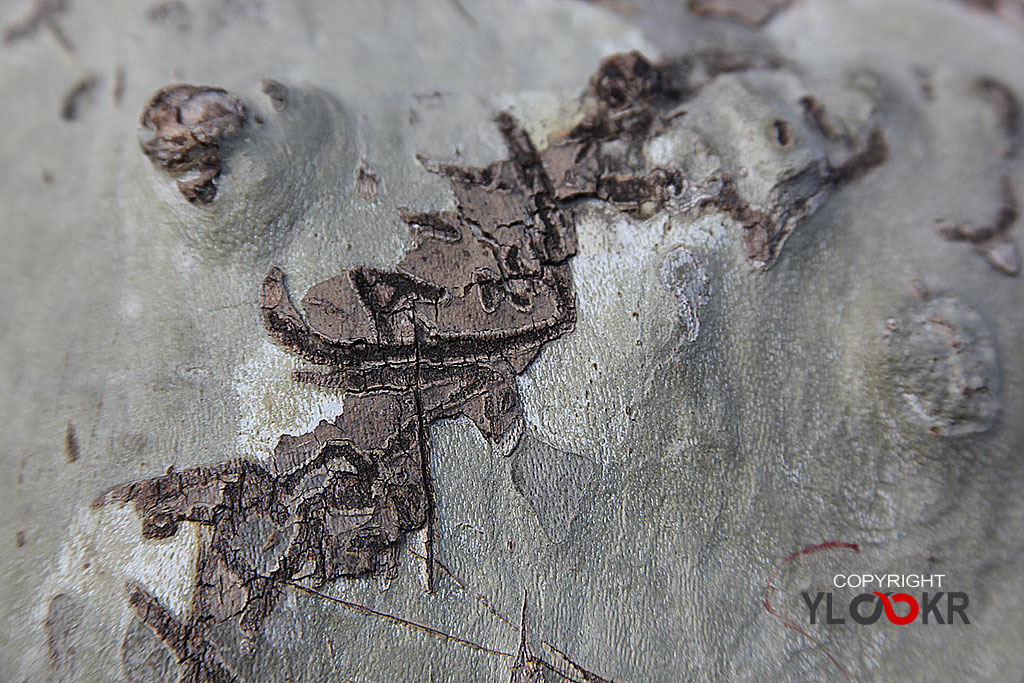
(622, 325)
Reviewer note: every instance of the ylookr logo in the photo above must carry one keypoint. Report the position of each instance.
(862, 599)
(933, 608)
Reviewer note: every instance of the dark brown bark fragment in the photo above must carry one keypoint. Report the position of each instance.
(182, 130)
(874, 154)
(991, 239)
(817, 116)
(71, 450)
(70, 105)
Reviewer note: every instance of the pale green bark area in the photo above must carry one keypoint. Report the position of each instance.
(663, 480)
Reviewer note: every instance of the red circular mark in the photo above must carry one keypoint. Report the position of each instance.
(890, 611)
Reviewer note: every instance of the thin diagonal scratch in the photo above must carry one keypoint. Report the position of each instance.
(476, 596)
(584, 675)
(361, 609)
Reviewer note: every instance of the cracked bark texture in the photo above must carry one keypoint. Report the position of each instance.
(780, 336)
(441, 336)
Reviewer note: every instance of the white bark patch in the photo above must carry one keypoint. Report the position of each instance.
(107, 548)
(580, 392)
(683, 276)
(273, 404)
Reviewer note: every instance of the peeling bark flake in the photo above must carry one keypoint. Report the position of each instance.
(444, 334)
(630, 100)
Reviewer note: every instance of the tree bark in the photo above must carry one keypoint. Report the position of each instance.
(631, 328)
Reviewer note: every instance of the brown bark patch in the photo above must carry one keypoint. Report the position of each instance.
(71, 450)
(182, 130)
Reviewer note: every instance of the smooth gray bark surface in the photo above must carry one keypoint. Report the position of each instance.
(706, 418)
